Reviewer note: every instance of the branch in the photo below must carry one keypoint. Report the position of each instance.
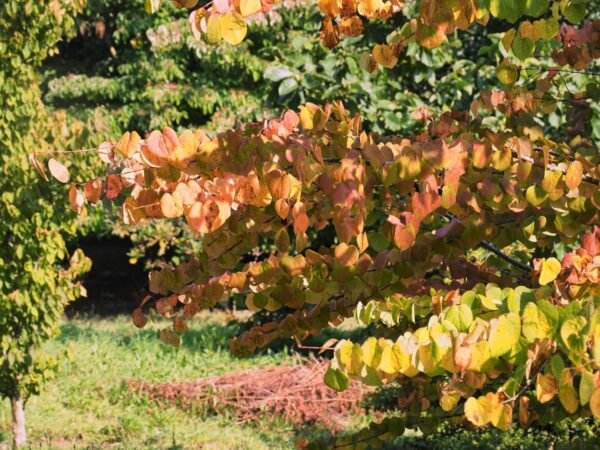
(492, 248)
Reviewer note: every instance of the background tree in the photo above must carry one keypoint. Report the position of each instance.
(37, 279)
(468, 340)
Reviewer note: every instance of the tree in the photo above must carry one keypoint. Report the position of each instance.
(35, 284)
(140, 72)
(473, 246)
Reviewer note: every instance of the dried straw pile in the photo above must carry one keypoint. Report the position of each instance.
(296, 393)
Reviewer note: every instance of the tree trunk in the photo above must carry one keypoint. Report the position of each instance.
(18, 419)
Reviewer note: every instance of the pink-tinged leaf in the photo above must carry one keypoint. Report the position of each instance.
(222, 6)
(290, 120)
(58, 171)
(106, 152)
(424, 203)
(591, 242)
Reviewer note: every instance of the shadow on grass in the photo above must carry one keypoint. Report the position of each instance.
(210, 336)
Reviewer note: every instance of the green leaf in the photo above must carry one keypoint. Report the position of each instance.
(287, 86)
(557, 365)
(522, 48)
(460, 316)
(336, 379)
(276, 72)
(535, 8)
(506, 9)
(575, 13)
(587, 385)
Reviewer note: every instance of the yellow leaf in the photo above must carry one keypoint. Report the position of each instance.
(567, 393)
(550, 270)
(545, 388)
(475, 412)
(595, 403)
(233, 28)
(392, 359)
(213, 29)
(249, 7)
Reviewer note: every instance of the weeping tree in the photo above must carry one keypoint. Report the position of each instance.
(37, 277)
(471, 246)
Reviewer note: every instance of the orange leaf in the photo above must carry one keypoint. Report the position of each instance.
(346, 254)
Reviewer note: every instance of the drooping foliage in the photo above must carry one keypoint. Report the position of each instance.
(471, 245)
(138, 72)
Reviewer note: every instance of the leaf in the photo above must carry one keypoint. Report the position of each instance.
(287, 86)
(351, 26)
(139, 319)
(393, 359)
(347, 255)
(546, 387)
(575, 13)
(505, 335)
(151, 6)
(506, 9)
(276, 72)
(574, 175)
(384, 55)
(213, 29)
(250, 7)
(567, 393)
(171, 205)
(535, 8)
(58, 171)
(522, 48)
(233, 28)
(587, 384)
(37, 165)
(336, 379)
(550, 269)
(535, 195)
(507, 73)
(595, 403)
(475, 412)
(430, 36)
(460, 316)
(128, 144)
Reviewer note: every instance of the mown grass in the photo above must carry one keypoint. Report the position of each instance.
(90, 406)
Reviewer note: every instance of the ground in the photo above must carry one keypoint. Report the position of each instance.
(89, 405)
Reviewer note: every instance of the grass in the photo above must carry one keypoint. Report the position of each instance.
(89, 405)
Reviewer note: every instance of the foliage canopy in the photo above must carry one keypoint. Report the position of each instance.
(386, 228)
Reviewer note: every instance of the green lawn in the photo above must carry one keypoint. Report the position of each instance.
(90, 406)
